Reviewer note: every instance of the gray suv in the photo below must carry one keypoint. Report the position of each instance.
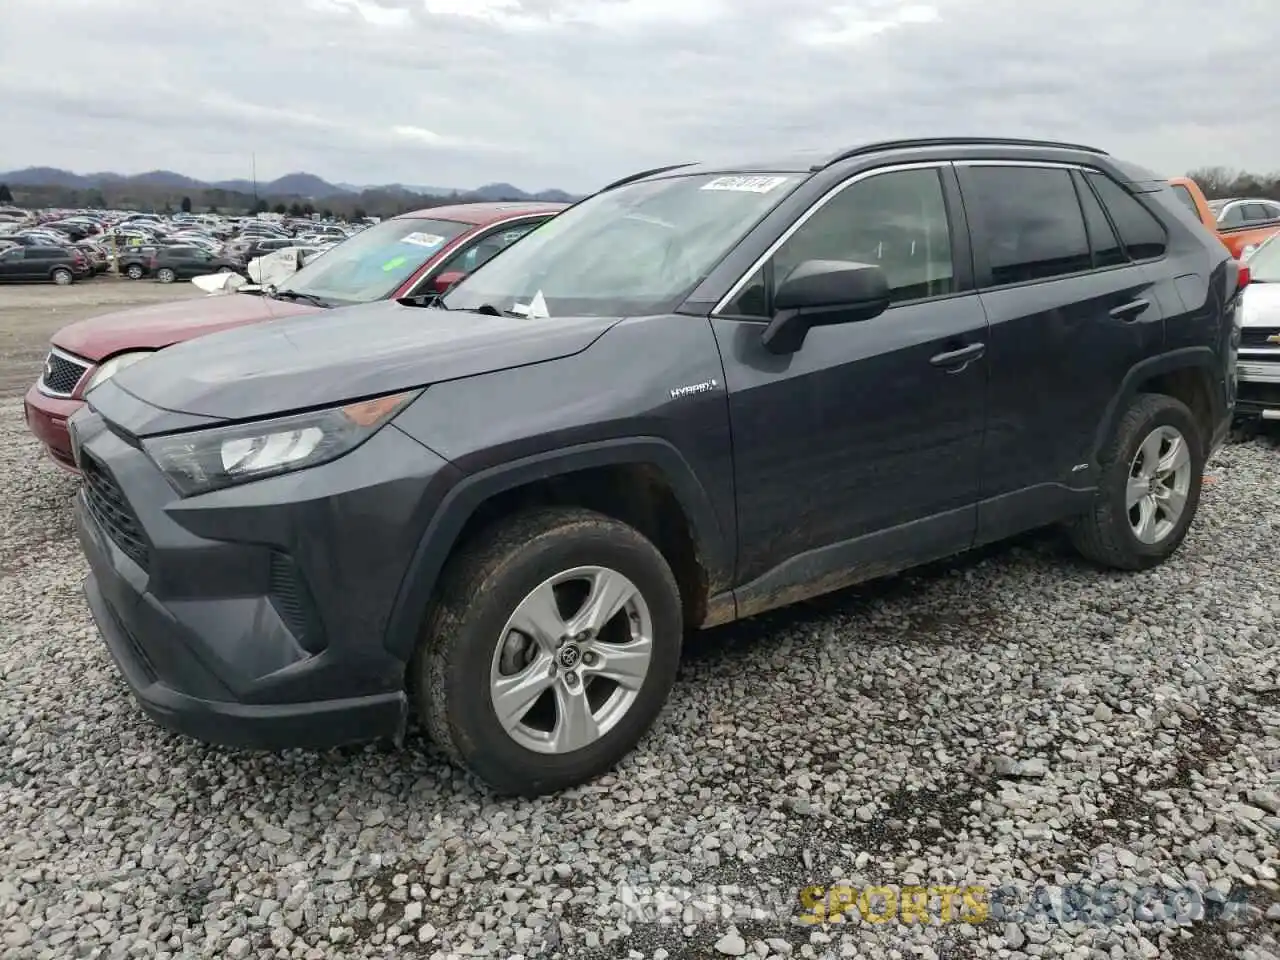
(701, 393)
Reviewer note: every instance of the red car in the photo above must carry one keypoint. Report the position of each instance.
(409, 255)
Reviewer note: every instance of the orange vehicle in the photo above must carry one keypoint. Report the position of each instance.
(1241, 224)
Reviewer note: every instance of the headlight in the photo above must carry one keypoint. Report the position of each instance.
(115, 365)
(209, 459)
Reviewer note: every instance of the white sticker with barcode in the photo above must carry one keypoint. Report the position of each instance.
(423, 239)
(745, 184)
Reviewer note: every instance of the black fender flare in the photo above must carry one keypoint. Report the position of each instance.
(1203, 359)
(462, 500)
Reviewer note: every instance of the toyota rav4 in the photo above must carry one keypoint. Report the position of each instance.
(699, 394)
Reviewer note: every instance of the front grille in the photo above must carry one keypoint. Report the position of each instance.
(107, 503)
(1257, 337)
(61, 373)
(1264, 394)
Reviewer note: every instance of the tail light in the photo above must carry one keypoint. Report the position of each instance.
(1244, 276)
(155, 261)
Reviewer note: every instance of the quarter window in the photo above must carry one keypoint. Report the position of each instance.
(1030, 221)
(1182, 193)
(1141, 233)
(1107, 251)
(896, 220)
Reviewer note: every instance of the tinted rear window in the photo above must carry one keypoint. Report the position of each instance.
(1141, 233)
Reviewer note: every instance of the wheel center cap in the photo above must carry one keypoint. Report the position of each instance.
(569, 656)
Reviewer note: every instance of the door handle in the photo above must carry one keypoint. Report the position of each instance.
(957, 360)
(1130, 310)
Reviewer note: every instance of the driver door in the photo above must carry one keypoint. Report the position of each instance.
(860, 453)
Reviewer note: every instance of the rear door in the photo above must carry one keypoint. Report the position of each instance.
(38, 262)
(1072, 311)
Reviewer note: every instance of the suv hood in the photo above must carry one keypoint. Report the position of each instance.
(162, 324)
(345, 354)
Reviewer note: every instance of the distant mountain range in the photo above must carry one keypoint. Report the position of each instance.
(306, 186)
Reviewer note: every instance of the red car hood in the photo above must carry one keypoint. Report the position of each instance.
(164, 324)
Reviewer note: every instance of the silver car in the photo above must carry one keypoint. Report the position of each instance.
(1258, 370)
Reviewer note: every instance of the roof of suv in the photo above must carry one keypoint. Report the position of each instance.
(483, 213)
(811, 161)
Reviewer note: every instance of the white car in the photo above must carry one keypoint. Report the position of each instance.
(1258, 368)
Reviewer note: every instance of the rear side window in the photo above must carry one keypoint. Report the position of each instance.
(1143, 236)
(1182, 193)
(1232, 216)
(1107, 251)
(1030, 222)
(1258, 213)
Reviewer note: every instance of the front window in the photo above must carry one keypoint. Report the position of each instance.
(374, 263)
(637, 249)
(1264, 265)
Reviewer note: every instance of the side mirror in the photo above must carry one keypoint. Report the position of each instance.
(820, 292)
(443, 281)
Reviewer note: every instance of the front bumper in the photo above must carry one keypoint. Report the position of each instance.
(46, 418)
(255, 616)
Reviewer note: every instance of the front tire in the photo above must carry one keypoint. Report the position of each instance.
(1149, 488)
(165, 275)
(551, 649)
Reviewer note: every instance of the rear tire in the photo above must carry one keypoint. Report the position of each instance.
(1149, 487)
(62, 277)
(165, 275)
(577, 722)
(134, 272)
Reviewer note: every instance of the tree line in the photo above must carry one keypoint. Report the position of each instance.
(369, 203)
(1221, 183)
(1215, 182)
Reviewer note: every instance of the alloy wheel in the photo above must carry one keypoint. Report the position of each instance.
(1159, 483)
(571, 660)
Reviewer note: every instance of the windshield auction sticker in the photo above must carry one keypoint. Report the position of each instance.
(745, 184)
(422, 239)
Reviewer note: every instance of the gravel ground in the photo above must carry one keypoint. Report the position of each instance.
(1014, 721)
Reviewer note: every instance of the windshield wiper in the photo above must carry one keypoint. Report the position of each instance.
(311, 298)
(434, 301)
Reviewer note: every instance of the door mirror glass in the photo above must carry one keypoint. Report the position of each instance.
(821, 292)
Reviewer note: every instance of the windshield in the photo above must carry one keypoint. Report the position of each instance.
(1264, 264)
(637, 249)
(372, 264)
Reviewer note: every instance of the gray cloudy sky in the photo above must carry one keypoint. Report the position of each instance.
(571, 93)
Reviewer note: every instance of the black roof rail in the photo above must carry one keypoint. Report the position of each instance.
(880, 145)
(645, 173)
